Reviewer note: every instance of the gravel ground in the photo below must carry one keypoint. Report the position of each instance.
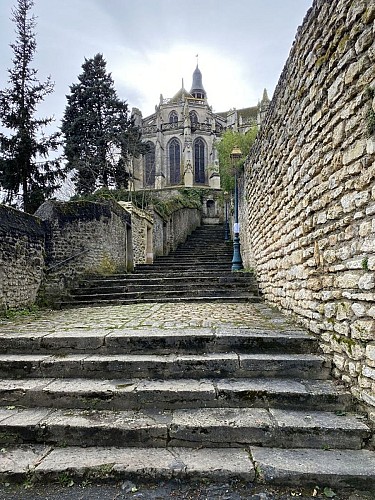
(170, 490)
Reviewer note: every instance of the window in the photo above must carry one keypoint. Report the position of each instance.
(173, 117)
(193, 118)
(149, 160)
(174, 152)
(199, 162)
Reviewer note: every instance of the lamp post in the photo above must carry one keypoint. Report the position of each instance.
(226, 227)
(236, 261)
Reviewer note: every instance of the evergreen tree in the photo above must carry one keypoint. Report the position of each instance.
(99, 133)
(24, 149)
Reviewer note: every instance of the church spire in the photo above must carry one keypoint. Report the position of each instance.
(197, 89)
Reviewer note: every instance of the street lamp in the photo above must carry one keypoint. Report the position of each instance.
(226, 227)
(235, 155)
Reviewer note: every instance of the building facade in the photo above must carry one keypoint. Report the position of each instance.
(182, 136)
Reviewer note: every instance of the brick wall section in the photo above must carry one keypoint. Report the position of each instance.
(309, 196)
(82, 238)
(21, 258)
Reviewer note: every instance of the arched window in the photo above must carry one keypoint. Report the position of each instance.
(174, 151)
(149, 160)
(199, 162)
(193, 117)
(173, 117)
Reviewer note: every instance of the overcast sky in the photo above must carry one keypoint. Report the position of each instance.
(150, 45)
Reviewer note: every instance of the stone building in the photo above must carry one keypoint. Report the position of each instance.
(182, 135)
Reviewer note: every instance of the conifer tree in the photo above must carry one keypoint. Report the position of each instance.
(24, 170)
(99, 133)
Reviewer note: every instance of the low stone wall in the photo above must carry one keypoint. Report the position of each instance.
(142, 227)
(21, 258)
(181, 224)
(82, 238)
(309, 189)
(156, 234)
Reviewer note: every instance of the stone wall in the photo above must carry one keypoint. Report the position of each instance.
(181, 224)
(155, 234)
(309, 189)
(21, 258)
(142, 227)
(82, 238)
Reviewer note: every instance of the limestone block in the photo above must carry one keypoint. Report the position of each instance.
(370, 144)
(339, 361)
(359, 309)
(348, 202)
(354, 152)
(370, 352)
(363, 329)
(367, 282)
(341, 328)
(343, 311)
(368, 244)
(330, 310)
(364, 41)
(370, 210)
(335, 90)
(371, 312)
(368, 372)
(352, 72)
(338, 134)
(365, 228)
(371, 263)
(347, 280)
(353, 369)
(364, 382)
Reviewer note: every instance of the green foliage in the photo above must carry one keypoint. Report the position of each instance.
(364, 263)
(100, 136)
(229, 140)
(24, 147)
(19, 313)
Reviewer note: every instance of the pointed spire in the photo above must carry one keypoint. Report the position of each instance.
(265, 98)
(197, 89)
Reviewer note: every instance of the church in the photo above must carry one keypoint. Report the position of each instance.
(182, 136)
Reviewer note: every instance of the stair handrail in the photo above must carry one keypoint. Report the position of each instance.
(68, 259)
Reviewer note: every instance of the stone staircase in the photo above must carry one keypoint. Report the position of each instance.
(224, 403)
(199, 270)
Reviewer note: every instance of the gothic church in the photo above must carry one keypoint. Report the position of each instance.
(182, 136)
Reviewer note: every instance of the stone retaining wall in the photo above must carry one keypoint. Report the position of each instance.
(21, 258)
(82, 238)
(309, 189)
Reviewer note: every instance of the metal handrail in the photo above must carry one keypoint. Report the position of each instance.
(48, 269)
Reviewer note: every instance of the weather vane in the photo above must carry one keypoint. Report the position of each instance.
(197, 59)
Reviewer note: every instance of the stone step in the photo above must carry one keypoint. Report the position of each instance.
(93, 301)
(184, 285)
(159, 341)
(224, 274)
(212, 365)
(217, 267)
(156, 292)
(338, 469)
(208, 427)
(136, 394)
(149, 279)
(309, 467)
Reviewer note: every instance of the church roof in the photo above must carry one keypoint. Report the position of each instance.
(180, 95)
